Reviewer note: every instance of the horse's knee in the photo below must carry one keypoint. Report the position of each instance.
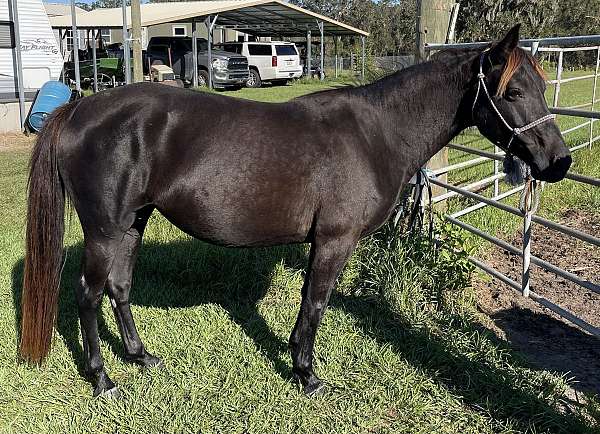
(118, 289)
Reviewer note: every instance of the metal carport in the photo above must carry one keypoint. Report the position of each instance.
(255, 17)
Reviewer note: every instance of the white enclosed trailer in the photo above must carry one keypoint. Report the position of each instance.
(37, 49)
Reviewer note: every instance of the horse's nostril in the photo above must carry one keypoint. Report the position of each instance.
(564, 161)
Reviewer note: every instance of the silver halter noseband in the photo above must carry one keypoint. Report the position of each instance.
(515, 130)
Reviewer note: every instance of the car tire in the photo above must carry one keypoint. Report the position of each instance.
(254, 79)
(202, 78)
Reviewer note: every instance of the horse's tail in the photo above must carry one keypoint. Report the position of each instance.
(44, 241)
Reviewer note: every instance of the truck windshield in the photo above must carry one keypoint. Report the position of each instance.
(232, 48)
(285, 50)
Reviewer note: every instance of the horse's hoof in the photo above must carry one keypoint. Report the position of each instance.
(151, 362)
(312, 387)
(146, 361)
(113, 393)
(314, 390)
(103, 385)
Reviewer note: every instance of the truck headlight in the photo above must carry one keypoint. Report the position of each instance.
(219, 64)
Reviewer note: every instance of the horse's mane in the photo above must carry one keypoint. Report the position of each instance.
(515, 60)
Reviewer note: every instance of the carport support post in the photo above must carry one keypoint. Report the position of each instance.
(194, 53)
(95, 40)
(75, 47)
(362, 42)
(126, 58)
(61, 45)
(322, 72)
(335, 54)
(18, 62)
(308, 53)
(210, 23)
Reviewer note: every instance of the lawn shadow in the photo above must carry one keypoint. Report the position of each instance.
(553, 345)
(191, 273)
(183, 274)
(494, 389)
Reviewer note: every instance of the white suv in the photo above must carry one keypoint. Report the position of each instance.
(273, 61)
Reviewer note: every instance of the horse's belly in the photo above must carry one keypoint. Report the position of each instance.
(241, 219)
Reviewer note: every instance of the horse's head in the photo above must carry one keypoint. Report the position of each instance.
(510, 110)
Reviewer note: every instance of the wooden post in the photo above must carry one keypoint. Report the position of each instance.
(433, 19)
(136, 39)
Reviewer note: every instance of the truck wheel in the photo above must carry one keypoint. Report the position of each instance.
(254, 79)
(202, 78)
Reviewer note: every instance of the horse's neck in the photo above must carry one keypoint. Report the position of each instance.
(419, 113)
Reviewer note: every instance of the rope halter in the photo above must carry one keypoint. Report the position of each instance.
(515, 130)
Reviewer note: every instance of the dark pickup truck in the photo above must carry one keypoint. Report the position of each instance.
(229, 69)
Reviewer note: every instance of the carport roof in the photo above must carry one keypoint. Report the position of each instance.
(257, 17)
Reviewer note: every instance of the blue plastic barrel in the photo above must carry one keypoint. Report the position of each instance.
(52, 95)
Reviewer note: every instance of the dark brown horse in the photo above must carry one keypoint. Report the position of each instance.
(324, 169)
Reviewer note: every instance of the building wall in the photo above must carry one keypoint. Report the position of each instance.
(10, 119)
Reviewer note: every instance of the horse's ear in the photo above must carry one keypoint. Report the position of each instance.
(501, 50)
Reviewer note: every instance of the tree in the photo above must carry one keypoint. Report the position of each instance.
(101, 4)
(481, 20)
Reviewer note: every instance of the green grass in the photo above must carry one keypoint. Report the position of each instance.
(401, 347)
(269, 93)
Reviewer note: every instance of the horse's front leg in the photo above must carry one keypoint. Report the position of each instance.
(328, 256)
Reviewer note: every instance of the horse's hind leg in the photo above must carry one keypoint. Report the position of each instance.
(97, 260)
(118, 286)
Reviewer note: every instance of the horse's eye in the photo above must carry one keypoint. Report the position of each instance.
(513, 94)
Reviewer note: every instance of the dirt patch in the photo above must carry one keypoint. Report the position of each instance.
(13, 141)
(543, 337)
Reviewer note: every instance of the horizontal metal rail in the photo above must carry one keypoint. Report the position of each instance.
(461, 165)
(582, 105)
(583, 179)
(491, 155)
(474, 186)
(584, 144)
(567, 80)
(480, 205)
(567, 40)
(534, 259)
(575, 128)
(567, 49)
(461, 147)
(539, 220)
(576, 113)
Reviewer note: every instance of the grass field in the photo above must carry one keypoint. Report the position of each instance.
(402, 347)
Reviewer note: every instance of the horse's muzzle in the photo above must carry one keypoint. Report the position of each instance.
(555, 171)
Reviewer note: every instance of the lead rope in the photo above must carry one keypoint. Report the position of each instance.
(530, 196)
